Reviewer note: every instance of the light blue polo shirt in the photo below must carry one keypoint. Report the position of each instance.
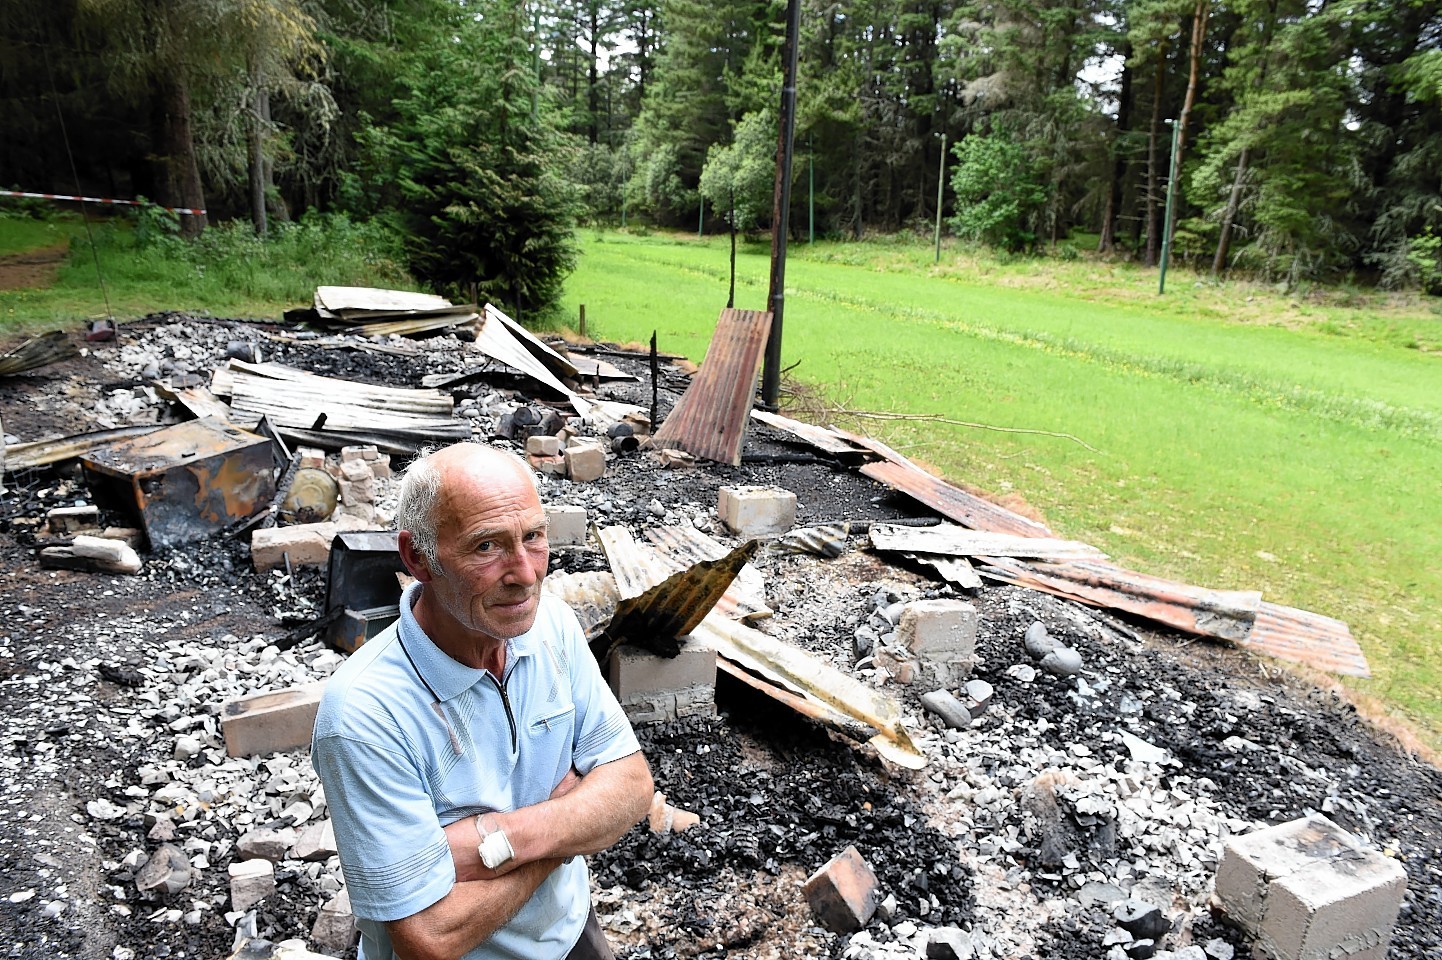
(397, 766)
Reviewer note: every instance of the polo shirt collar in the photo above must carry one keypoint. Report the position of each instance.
(446, 676)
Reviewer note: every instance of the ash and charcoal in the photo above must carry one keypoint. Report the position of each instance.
(1078, 814)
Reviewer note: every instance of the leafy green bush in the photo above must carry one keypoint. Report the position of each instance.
(999, 194)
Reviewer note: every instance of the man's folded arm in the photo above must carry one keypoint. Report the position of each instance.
(588, 816)
(468, 915)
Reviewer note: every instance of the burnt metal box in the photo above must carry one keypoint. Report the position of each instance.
(362, 592)
(187, 481)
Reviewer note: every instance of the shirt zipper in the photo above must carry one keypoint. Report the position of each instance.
(506, 702)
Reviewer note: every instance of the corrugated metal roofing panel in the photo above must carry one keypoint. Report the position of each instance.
(1304, 637)
(668, 605)
(744, 599)
(952, 502)
(956, 541)
(831, 690)
(1225, 614)
(822, 438)
(710, 418)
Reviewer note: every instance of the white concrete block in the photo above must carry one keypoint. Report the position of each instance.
(756, 511)
(251, 881)
(585, 460)
(566, 525)
(270, 722)
(1308, 890)
(938, 629)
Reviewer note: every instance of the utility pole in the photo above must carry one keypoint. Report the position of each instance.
(1167, 216)
(781, 207)
(940, 182)
(810, 193)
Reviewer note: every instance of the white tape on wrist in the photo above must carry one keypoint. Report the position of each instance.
(496, 849)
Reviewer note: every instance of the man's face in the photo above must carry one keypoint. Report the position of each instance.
(491, 543)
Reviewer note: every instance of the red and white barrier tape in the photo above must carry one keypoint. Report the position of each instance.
(128, 203)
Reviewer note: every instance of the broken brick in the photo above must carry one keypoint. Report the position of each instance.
(842, 894)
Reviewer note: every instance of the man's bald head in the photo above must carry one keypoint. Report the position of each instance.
(425, 481)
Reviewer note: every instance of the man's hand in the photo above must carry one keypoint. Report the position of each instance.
(465, 835)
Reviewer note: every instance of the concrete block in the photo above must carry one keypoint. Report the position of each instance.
(842, 894)
(544, 445)
(334, 931)
(311, 458)
(1308, 890)
(550, 466)
(635, 673)
(938, 629)
(357, 453)
(381, 466)
(356, 470)
(566, 525)
(358, 492)
(73, 519)
(585, 460)
(308, 544)
(270, 722)
(756, 511)
(251, 881)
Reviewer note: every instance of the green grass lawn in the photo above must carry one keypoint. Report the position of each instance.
(227, 272)
(1236, 437)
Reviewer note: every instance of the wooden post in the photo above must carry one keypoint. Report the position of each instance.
(583, 320)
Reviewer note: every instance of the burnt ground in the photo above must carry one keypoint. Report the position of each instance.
(1020, 832)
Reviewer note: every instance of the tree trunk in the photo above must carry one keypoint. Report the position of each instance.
(1108, 240)
(179, 172)
(1234, 200)
(257, 153)
(593, 103)
(1153, 135)
(1200, 14)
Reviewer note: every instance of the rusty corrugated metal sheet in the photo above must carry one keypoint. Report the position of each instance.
(1225, 614)
(710, 418)
(822, 438)
(744, 599)
(668, 607)
(1310, 638)
(952, 502)
(187, 481)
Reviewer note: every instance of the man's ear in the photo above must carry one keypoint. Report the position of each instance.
(415, 561)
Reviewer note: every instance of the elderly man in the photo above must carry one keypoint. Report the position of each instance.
(471, 753)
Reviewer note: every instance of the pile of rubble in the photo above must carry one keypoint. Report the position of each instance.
(864, 750)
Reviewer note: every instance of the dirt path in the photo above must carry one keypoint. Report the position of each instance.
(32, 268)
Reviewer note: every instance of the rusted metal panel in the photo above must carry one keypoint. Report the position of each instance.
(187, 481)
(744, 599)
(710, 418)
(1225, 614)
(967, 509)
(659, 608)
(955, 541)
(823, 439)
(1310, 638)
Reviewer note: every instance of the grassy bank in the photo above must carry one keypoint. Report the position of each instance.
(139, 267)
(1235, 437)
